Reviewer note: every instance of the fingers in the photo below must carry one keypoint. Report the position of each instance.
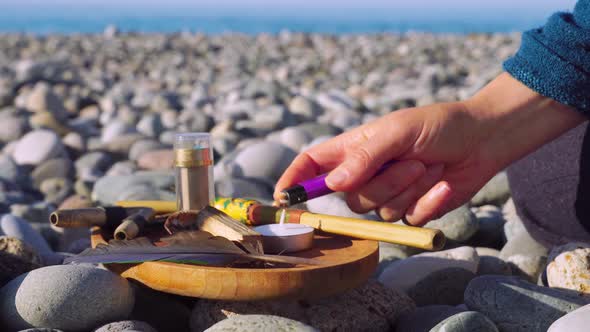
(355, 156)
(430, 206)
(394, 180)
(372, 147)
(313, 162)
(395, 208)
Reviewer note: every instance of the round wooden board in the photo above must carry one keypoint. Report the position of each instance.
(345, 263)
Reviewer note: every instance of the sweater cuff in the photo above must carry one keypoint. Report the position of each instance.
(550, 75)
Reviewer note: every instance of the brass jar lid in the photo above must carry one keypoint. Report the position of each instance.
(192, 157)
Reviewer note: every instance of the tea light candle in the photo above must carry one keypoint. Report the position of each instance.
(284, 238)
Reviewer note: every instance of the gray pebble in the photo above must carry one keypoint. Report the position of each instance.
(56, 190)
(527, 266)
(444, 286)
(75, 142)
(34, 213)
(264, 160)
(295, 138)
(68, 297)
(490, 232)
(265, 121)
(304, 108)
(515, 305)
(495, 192)
(13, 127)
(93, 163)
(423, 319)
(119, 145)
(334, 204)
(194, 121)
(19, 228)
(458, 225)
(125, 326)
(110, 189)
(142, 146)
(262, 323)
(36, 147)
(43, 99)
(485, 251)
(114, 130)
(163, 311)
(122, 168)
(389, 252)
(526, 256)
(16, 258)
(523, 244)
(244, 188)
(468, 321)
(150, 125)
(53, 168)
(513, 225)
(575, 321)
(405, 274)
(493, 265)
(11, 172)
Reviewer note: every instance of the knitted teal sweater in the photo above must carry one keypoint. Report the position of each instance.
(554, 60)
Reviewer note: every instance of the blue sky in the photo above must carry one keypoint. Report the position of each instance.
(272, 15)
(279, 5)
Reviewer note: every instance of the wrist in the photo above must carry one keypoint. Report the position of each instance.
(516, 120)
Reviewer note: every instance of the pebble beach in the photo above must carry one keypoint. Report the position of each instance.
(89, 119)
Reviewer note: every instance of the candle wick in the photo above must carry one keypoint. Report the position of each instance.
(282, 220)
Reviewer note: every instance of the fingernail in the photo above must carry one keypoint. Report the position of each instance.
(440, 190)
(405, 221)
(386, 214)
(336, 177)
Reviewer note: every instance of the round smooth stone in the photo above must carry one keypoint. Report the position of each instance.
(67, 297)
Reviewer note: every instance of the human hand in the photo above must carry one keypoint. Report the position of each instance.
(445, 152)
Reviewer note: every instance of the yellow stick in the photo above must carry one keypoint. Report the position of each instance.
(160, 207)
(425, 238)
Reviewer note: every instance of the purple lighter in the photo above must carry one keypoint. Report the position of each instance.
(312, 188)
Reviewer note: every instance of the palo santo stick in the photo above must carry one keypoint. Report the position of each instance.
(160, 207)
(132, 225)
(425, 238)
(218, 223)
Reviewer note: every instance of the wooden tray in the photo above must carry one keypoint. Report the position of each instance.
(345, 263)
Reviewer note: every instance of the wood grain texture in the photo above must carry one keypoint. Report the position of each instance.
(346, 264)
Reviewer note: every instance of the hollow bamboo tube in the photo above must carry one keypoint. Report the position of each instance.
(79, 217)
(88, 217)
(133, 224)
(425, 238)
